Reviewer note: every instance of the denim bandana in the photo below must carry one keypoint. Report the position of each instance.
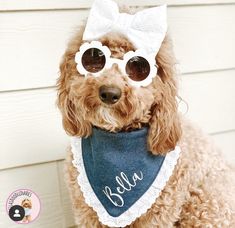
(120, 179)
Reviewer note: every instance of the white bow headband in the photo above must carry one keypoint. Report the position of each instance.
(146, 29)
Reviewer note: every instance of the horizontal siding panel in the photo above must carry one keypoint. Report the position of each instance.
(42, 179)
(203, 37)
(70, 4)
(31, 130)
(32, 43)
(226, 142)
(210, 97)
(31, 47)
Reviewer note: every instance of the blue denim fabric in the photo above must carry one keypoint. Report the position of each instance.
(119, 167)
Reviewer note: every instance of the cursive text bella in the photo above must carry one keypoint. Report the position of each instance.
(123, 185)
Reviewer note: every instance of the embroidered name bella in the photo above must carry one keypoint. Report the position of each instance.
(124, 184)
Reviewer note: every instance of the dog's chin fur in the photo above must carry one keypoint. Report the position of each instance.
(199, 193)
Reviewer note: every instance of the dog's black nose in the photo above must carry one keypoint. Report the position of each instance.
(109, 94)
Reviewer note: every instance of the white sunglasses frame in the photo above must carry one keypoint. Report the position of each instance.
(121, 63)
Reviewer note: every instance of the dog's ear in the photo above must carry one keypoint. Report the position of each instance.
(30, 204)
(22, 202)
(73, 122)
(165, 129)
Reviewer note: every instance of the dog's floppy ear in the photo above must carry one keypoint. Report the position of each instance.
(73, 122)
(22, 202)
(165, 129)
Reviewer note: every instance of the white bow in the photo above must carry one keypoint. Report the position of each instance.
(146, 29)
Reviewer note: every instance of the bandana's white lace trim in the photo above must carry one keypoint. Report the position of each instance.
(140, 206)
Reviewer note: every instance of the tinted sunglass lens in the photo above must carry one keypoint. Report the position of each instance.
(137, 68)
(93, 60)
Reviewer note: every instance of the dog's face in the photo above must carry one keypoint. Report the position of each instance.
(110, 102)
(26, 203)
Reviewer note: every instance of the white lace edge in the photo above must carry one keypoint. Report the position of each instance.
(140, 206)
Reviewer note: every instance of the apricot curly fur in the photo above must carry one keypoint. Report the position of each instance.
(200, 193)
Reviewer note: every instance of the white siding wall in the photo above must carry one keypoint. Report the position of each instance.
(33, 37)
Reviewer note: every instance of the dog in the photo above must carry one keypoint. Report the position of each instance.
(200, 191)
(27, 205)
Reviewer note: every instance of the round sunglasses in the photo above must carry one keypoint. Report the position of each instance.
(93, 58)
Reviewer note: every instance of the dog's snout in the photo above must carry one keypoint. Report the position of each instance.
(109, 94)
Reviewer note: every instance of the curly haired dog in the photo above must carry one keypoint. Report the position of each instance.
(27, 205)
(200, 193)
